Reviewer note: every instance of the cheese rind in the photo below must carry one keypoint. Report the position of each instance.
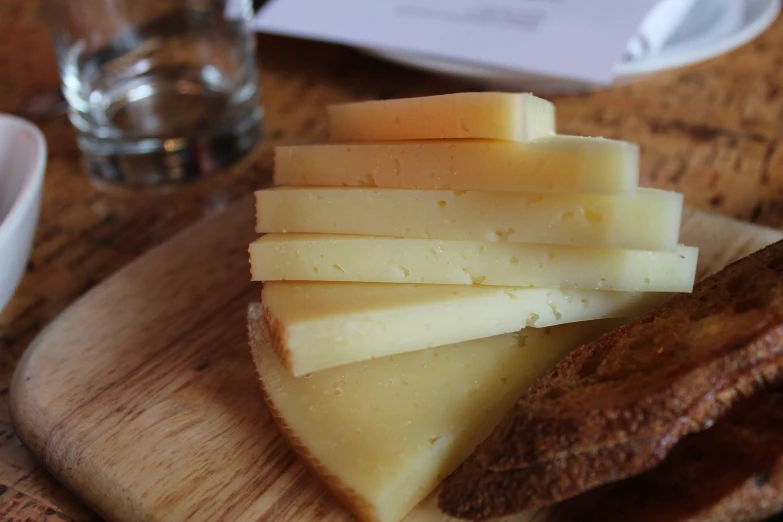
(560, 164)
(649, 219)
(331, 257)
(384, 433)
(491, 115)
(320, 325)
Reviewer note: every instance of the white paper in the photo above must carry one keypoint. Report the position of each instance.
(574, 39)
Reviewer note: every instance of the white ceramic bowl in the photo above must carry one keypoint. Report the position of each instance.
(22, 166)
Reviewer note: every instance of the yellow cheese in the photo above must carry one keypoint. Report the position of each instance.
(318, 325)
(566, 164)
(328, 257)
(384, 433)
(493, 115)
(649, 219)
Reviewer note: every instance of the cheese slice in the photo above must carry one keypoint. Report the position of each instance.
(331, 257)
(646, 220)
(565, 164)
(318, 325)
(493, 115)
(384, 433)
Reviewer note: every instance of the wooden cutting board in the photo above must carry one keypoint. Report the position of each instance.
(142, 397)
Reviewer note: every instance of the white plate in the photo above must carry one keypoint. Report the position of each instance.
(712, 28)
(22, 166)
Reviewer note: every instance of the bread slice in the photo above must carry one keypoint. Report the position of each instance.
(732, 472)
(615, 407)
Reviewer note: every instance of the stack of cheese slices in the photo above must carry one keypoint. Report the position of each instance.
(432, 221)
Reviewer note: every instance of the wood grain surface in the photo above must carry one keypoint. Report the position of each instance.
(712, 131)
(142, 397)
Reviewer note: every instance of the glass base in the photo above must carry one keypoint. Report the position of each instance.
(172, 161)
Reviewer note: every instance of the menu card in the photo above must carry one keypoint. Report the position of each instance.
(579, 40)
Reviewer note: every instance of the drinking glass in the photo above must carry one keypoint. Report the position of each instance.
(159, 91)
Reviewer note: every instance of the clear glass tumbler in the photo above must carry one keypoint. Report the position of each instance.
(160, 91)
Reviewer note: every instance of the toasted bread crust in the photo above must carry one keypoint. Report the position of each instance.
(347, 496)
(278, 335)
(614, 408)
(732, 472)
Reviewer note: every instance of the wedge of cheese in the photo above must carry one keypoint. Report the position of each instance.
(492, 115)
(646, 220)
(564, 164)
(331, 257)
(317, 325)
(384, 433)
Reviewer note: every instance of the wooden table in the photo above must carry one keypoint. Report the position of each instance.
(712, 131)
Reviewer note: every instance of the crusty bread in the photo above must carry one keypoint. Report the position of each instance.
(615, 407)
(732, 472)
